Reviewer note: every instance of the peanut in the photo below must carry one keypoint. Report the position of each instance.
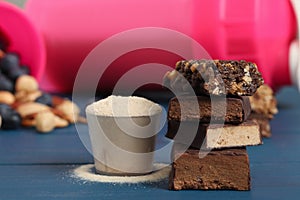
(28, 122)
(23, 96)
(26, 83)
(60, 123)
(6, 97)
(31, 108)
(69, 110)
(45, 122)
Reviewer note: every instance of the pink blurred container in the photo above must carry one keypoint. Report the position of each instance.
(23, 38)
(261, 31)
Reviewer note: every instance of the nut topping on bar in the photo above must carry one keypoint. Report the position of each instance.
(264, 102)
(216, 77)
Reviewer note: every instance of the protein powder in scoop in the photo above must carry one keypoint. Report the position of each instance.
(122, 132)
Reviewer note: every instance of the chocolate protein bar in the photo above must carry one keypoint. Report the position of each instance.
(226, 169)
(213, 136)
(215, 77)
(228, 110)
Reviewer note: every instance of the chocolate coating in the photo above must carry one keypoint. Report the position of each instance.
(226, 169)
(237, 109)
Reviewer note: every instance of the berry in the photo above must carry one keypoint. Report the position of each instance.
(6, 84)
(25, 69)
(45, 99)
(10, 118)
(9, 62)
(4, 107)
(13, 74)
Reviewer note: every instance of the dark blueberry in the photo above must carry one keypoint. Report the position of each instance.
(45, 99)
(9, 62)
(4, 107)
(6, 84)
(13, 74)
(11, 121)
(10, 118)
(25, 69)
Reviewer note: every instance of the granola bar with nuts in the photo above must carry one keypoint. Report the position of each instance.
(215, 77)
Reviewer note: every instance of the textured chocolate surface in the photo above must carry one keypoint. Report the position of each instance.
(216, 77)
(237, 109)
(264, 102)
(226, 169)
(264, 124)
(214, 136)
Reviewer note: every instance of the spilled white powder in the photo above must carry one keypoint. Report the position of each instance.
(124, 106)
(87, 173)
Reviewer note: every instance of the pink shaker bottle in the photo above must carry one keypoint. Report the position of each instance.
(262, 31)
(71, 29)
(22, 37)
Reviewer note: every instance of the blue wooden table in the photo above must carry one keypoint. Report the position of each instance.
(36, 166)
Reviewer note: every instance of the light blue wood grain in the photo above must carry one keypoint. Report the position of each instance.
(35, 166)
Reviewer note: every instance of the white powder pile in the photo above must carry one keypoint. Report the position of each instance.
(86, 173)
(124, 106)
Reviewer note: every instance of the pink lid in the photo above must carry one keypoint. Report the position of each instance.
(23, 38)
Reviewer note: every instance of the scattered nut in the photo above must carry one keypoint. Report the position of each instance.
(69, 110)
(45, 122)
(82, 120)
(30, 108)
(28, 122)
(26, 83)
(56, 100)
(20, 95)
(33, 114)
(26, 104)
(6, 97)
(60, 123)
(23, 96)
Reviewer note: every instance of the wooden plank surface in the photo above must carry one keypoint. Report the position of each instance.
(35, 166)
(269, 181)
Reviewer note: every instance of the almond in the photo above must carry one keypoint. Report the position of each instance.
(23, 96)
(30, 108)
(60, 123)
(26, 83)
(69, 110)
(6, 97)
(45, 122)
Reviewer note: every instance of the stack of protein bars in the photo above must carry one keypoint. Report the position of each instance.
(211, 130)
